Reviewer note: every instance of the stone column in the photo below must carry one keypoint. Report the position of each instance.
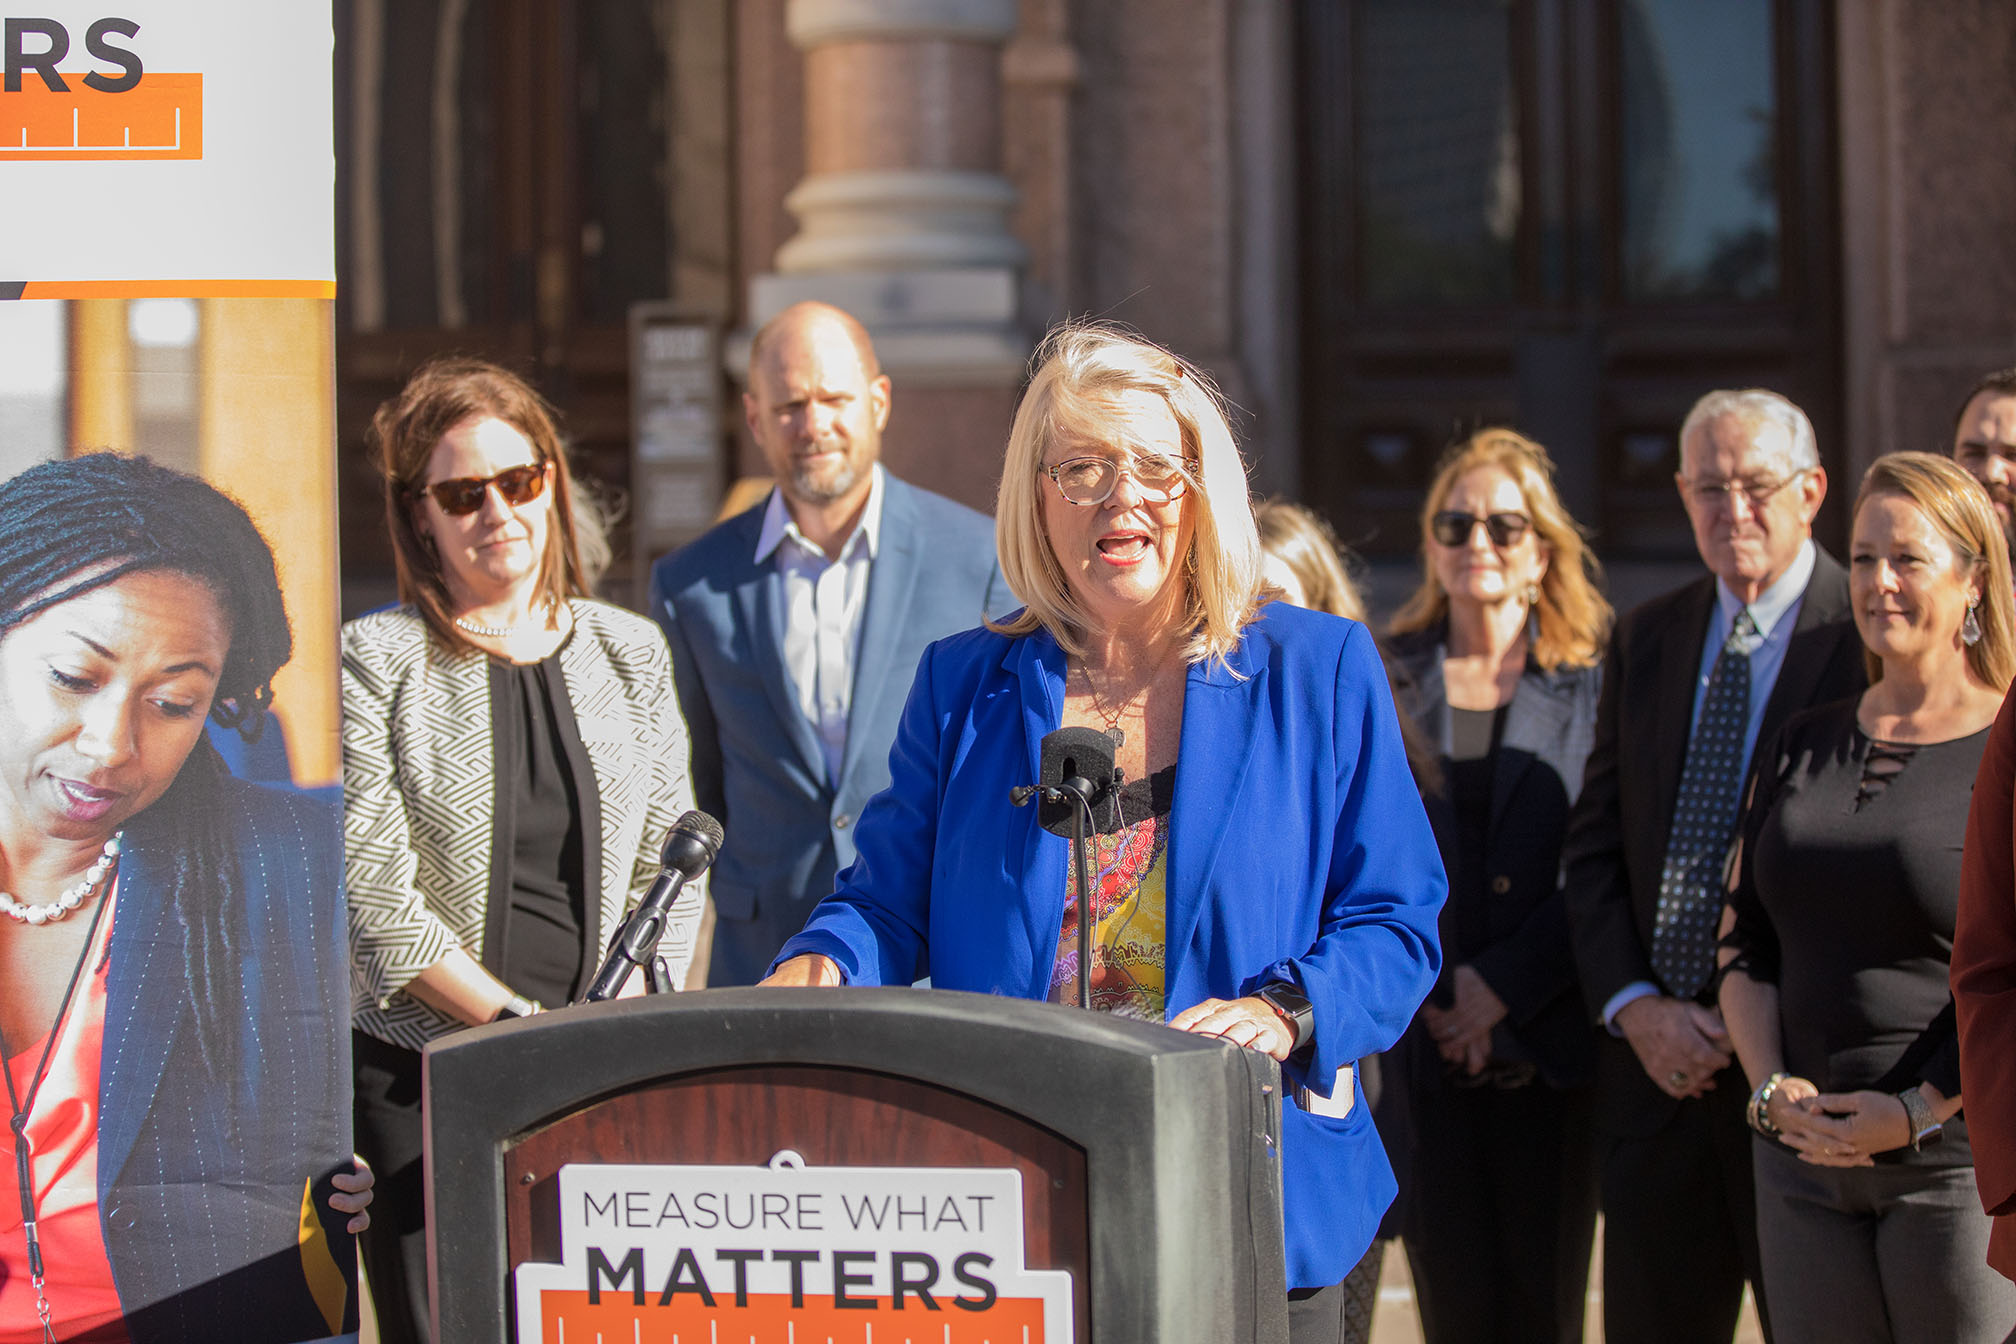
(903, 210)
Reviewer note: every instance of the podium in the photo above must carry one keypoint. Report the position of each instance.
(861, 1165)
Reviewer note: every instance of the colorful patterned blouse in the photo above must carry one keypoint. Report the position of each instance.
(1129, 908)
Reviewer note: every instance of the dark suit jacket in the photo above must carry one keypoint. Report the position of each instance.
(1984, 984)
(1520, 945)
(1617, 838)
(757, 765)
(202, 1180)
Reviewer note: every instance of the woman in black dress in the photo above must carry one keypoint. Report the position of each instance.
(1500, 653)
(1840, 931)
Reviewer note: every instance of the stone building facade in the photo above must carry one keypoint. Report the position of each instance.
(1376, 222)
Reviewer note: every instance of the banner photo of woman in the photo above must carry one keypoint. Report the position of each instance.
(174, 1000)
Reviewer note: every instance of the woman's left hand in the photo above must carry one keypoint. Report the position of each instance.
(353, 1194)
(1250, 1022)
(1871, 1123)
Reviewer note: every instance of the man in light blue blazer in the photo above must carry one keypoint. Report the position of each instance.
(796, 628)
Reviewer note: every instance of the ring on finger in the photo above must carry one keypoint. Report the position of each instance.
(1676, 1079)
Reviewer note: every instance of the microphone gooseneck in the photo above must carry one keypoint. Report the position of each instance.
(689, 847)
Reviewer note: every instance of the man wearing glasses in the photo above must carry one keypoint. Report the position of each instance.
(796, 627)
(1693, 683)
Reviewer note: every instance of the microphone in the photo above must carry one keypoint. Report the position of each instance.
(690, 846)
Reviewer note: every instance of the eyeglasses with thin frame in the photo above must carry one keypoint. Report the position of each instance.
(1713, 493)
(1092, 480)
(1454, 529)
(465, 494)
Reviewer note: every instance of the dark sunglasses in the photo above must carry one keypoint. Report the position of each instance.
(1454, 529)
(464, 495)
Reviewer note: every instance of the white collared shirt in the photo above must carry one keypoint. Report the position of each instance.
(823, 604)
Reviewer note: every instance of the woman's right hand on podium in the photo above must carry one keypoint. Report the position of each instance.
(810, 971)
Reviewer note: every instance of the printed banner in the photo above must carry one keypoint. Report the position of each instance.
(174, 987)
(787, 1253)
(193, 141)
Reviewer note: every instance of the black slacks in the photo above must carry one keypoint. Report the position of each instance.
(389, 1135)
(1500, 1211)
(1679, 1208)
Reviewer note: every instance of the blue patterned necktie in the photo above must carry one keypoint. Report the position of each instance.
(1704, 822)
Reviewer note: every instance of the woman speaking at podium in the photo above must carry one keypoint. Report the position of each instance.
(513, 756)
(1272, 879)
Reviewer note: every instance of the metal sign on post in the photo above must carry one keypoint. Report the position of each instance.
(676, 430)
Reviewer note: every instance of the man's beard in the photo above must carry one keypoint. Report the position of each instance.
(833, 486)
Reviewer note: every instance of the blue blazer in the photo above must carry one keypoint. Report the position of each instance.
(757, 765)
(1298, 850)
(202, 1181)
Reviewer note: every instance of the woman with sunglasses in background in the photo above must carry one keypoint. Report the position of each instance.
(1501, 647)
(513, 756)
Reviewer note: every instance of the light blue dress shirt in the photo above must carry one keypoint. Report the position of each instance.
(1776, 614)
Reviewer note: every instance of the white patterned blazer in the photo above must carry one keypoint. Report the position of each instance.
(420, 793)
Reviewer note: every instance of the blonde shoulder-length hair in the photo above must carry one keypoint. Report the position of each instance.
(1958, 506)
(1080, 369)
(1572, 616)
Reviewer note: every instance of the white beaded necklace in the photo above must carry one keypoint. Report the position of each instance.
(541, 617)
(69, 900)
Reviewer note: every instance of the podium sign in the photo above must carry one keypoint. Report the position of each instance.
(679, 1251)
(863, 1164)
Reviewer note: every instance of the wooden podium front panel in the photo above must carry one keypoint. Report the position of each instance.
(831, 1118)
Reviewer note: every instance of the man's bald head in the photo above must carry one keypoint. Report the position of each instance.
(816, 405)
(793, 324)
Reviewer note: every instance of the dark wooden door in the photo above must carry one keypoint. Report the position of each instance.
(1568, 216)
(501, 189)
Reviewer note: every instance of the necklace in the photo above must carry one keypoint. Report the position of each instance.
(536, 618)
(69, 900)
(24, 1173)
(1112, 717)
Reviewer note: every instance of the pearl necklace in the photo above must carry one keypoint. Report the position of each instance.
(540, 617)
(69, 900)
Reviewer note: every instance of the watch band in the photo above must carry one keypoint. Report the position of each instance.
(1293, 1006)
(1918, 1112)
(517, 1006)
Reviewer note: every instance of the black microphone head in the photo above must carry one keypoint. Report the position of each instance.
(691, 844)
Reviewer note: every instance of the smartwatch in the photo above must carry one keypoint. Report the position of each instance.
(1294, 1008)
(1918, 1111)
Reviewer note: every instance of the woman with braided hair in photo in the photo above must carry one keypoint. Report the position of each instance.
(172, 994)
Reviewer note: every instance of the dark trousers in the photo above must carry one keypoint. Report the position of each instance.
(1500, 1212)
(389, 1135)
(1341, 1313)
(1680, 1212)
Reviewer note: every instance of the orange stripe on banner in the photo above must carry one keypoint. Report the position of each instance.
(161, 117)
(768, 1319)
(178, 289)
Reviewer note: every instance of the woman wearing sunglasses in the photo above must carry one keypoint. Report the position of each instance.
(1269, 879)
(1502, 645)
(513, 756)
